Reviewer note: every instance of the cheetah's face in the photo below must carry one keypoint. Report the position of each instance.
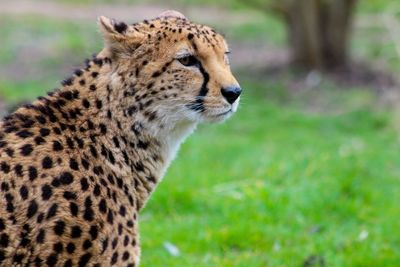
(184, 66)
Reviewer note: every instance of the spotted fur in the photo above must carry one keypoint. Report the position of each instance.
(77, 165)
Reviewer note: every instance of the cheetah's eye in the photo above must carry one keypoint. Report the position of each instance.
(188, 61)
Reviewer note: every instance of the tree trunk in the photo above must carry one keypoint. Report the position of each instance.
(318, 32)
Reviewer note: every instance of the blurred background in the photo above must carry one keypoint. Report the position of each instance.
(305, 174)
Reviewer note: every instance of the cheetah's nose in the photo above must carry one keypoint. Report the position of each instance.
(231, 93)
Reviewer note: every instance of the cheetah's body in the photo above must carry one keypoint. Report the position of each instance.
(77, 166)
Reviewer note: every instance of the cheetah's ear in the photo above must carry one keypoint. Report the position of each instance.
(118, 36)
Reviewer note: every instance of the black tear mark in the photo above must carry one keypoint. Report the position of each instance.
(198, 104)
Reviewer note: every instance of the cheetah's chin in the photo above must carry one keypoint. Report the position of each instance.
(221, 116)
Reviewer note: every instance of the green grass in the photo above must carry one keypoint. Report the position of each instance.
(273, 186)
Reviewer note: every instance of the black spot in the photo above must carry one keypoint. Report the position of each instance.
(70, 248)
(47, 192)
(32, 209)
(96, 190)
(24, 241)
(73, 164)
(70, 142)
(9, 200)
(86, 103)
(52, 259)
(76, 231)
(52, 211)
(104, 245)
(85, 164)
(151, 178)
(190, 36)
(58, 247)
(2, 256)
(99, 104)
(32, 173)
(125, 256)
(57, 130)
(110, 178)
(67, 81)
(59, 227)
(92, 87)
(142, 145)
(23, 191)
(88, 214)
(67, 95)
(110, 217)
(5, 167)
(102, 206)
(39, 140)
(4, 240)
(10, 152)
(83, 261)
(18, 258)
(66, 178)
(18, 170)
(87, 244)
(68, 195)
(44, 132)
(40, 237)
(56, 182)
(98, 61)
(103, 128)
(120, 27)
(79, 141)
(84, 184)
(116, 142)
(78, 72)
(122, 211)
(126, 241)
(2, 225)
(129, 223)
(93, 151)
(5, 187)
(57, 146)
(26, 150)
(94, 74)
(93, 232)
(156, 74)
(114, 258)
(47, 162)
(41, 119)
(24, 134)
(73, 208)
(68, 263)
(40, 217)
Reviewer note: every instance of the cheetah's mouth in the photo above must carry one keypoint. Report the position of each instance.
(224, 113)
(217, 116)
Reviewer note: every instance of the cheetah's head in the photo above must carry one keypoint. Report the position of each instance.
(180, 68)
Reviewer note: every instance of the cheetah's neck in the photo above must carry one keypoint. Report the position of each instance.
(117, 132)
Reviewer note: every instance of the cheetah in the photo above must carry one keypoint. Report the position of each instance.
(78, 165)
